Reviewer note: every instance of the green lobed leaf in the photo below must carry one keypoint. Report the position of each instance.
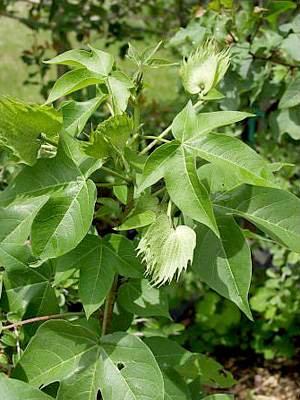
(217, 179)
(225, 263)
(76, 114)
(140, 298)
(120, 365)
(137, 221)
(13, 389)
(98, 260)
(21, 126)
(72, 81)
(274, 211)
(95, 61)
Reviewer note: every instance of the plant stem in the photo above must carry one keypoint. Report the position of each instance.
(164, 133)
(161, 136)
(112, 172)
(43, 318)
(106, 184)
(156, 138)
(109, 305)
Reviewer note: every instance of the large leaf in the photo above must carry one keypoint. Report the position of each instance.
(21, 126)
(13, 389)
(186, 190)
(166, 251)
(96, 61)
(140, 298)
(120, 365)
(188, 125)
(98, 260)
(274, 211)
(72, 81)
(130, 368)
(76, 114)
(64, 220)
(224, 263)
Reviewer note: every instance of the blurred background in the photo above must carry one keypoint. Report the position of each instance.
(264, 78)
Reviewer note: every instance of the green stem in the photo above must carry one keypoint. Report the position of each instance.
(112, 172)
(106, 184)
(165, 132)
(155, 138)
(43, 318)
(109, 306)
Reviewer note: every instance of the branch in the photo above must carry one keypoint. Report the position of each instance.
(273, 60)
(44, 318)
(109, 305)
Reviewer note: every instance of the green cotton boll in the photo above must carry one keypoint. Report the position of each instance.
(166, 251)
(204, 69)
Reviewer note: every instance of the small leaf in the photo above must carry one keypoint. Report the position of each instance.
(166, 251)
(72, 81)
(159, 62)
(95, 61)
(21, 126)
(225, 263)
(213, 94)
(121, 193)
(119, 86)
(137, 221)
(291, 96)
(219, 396)
(76, 114)
(133, 54)
(149, 52)
(217, 179)
(18, 390)
(140, 298)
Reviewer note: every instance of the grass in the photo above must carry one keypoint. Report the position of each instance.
(15, 37)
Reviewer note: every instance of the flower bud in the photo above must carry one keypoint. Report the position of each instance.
(204, 68)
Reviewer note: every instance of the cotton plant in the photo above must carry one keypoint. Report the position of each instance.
(116, 215)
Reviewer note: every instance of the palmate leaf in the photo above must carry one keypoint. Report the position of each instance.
(21, 126)
(99, 260)
(165, 250)
(66, 217)
(120, 365)
(175, 162)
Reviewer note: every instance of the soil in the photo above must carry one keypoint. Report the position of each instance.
(257, 380)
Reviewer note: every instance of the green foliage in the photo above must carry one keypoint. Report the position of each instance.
(59, 216)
